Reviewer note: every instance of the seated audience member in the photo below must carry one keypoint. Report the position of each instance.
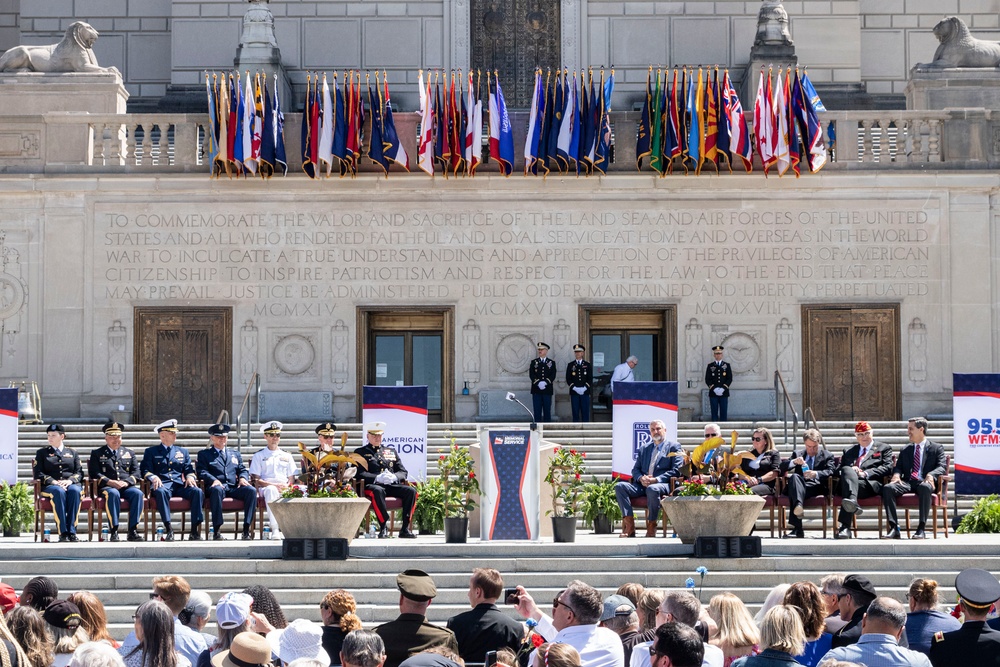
(806, 475)
(411, 632)
(839, 663)
(195, 615)
(299, 639)
(878, 644)
(832, 587)
(8, 598)
(28, 629)
(11, 652)
(677, 645)
(774, 597)
(679, 607)
(39, 593)
(436, 656)
(233, 616)
(925, 619)
(781, 637)
(339, 612)
(632, 591)
(63, 621)
(975, 644)
(807, 599)
(765, 466)
(506, 657)
(362, 648)
(858, 594)
(620, 617)
(555, 654)
(266, 605)
(93, 617)
(174, 591)
(96, 654)
(484, 627)
(154, 631)
(737, 634)
(248, 649)
(655, 464)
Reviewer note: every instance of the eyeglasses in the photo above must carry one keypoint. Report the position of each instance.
(711, 435)
(135, 616)
(825, 592)
(155, 596)
(556, 603)
(653, 653)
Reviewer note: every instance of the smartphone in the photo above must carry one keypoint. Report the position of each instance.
(510, 596)
(491, 658)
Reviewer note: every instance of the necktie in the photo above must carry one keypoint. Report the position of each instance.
(861, 457)
(915, 474)
(809, 462)
(653, 459)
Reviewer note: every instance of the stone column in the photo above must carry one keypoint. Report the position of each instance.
(258, 50)
(773, 46)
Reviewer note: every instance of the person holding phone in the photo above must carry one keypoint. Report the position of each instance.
(484, 627)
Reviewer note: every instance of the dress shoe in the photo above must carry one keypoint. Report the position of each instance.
(133, 535)
(383, 531)
(797, 511)
(893, 534)
(113, 536)
(72, 537)
(407, 534)
(217, 535)
(169, 535)
(628, 526)
(64, 537)
(795, 534)
(919, 535)
(195, 532)
(246, 534)
(850, 506)
(843, 534)
(651, 528)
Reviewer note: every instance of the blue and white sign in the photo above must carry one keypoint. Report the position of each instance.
(404, 411)
(8, 435)
(977, 433)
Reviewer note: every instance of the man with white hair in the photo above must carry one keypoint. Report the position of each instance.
(656, 462)
(623, 372)
(272, 471)
(362, 648)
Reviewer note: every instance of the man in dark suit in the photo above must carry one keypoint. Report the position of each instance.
(655, 464)
(58, 469)
(579, 377)
(222, 471)
(411, 633)
(917, 470)
(484, 627)
(863, 470)
(542, 373)
(806, 475)
(169, 471)
(116, 468)
(975, 644)
(385, 476)
(718, 377)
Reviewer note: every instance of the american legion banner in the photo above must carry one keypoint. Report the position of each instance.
(635, 405)
(977, 433)
(404, 411)
(8, 435)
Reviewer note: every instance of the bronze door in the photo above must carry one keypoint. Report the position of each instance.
(851, 362)
(183, 364)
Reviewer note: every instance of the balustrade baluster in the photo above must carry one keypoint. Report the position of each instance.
(147, 142)
(130, 142)
(934, 141)
(868, 153)
(164, 153)
(885, 150)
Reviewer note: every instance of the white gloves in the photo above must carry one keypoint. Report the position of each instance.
(385, 477)
(542, 385)
(580, 390)
(719, 391)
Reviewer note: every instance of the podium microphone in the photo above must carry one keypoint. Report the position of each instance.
(512, 397)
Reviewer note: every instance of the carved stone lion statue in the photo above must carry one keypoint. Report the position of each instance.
(772, 24)
(960, 49)
(74, 53)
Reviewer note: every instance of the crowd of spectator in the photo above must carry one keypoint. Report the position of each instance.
(842, 622)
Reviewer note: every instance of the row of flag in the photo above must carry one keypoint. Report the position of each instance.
(246, 132)
(786, 123)
(451, 124)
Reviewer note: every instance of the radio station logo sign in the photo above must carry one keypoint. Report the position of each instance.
(510, 439)
(640, 437)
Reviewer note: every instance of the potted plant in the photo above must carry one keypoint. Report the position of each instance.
(565, 478)
(461, 491)
(983, 518)
(428, 511)
(600, 506)
(17, 508)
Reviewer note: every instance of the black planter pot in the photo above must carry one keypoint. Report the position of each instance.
(564, 529)
(427, 531)
(602, 525)
(456, 529)
(7, 532)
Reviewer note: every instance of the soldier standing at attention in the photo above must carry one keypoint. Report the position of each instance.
(542, 374)
(579, 376)
(58, 469)
(718, 377)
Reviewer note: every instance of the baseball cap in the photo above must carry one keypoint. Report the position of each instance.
(233, 610)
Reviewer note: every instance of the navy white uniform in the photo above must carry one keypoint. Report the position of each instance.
(542, 373)
(225, 466)
(579, 375)
(56, 464)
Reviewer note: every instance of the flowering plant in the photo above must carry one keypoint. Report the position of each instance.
(565, 477)
(461, 486)
(731, 488)
(326, 474)
(702, 571)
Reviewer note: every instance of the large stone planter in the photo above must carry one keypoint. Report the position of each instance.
(712, 516)
(318, 518)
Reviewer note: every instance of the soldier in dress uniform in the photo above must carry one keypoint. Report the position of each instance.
(222, 471)
(579, 376)
(385, 476)
(410, 633)
(975, 644)
(116, 468)
(718, 377)
(542, 374)
(170, 473)
(272, 470)
(58, 469)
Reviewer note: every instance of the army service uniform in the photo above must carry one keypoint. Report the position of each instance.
(579, 375)
(719, 375)
(542, 373)
(119, 464)
(53, 465)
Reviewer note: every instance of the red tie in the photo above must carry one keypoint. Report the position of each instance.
(915, 474)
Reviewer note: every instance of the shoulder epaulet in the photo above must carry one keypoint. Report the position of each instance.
(939, 636)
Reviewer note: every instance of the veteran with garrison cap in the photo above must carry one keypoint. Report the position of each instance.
(542, 373)
(975, 644)
(60, 474)
(116, 470)
(385, 476)
(272, 470)
(222, 471)
(411, 633)
(168, 469)
(579, 377)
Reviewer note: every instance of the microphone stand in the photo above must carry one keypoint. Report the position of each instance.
(533, 426)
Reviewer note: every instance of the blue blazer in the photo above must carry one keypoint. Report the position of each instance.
(666, 466)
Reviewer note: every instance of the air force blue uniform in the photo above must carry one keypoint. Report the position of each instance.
(172, 465)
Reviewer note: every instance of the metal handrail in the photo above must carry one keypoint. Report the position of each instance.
(809, 416)
(253, 384)
(786, 405)
(222, 414)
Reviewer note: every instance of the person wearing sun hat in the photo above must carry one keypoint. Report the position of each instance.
(168, 469)
(116, 470)
(60, 474)
(975, 644)
(8, 598)
(863, 470)
(248, 649)
(299, 639)
(272, 470)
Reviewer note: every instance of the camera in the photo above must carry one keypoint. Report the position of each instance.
(510, 596)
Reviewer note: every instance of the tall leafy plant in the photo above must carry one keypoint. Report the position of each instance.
(984, 517)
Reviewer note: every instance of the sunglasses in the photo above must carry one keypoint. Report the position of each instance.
(757, 439)
(155, 596)
(556, 604)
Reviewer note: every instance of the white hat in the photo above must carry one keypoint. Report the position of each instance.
(375, 428)
(169, 425)
(233, 610)
(271, 427)
(300, 639)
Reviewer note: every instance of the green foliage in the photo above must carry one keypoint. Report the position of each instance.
(17, 506)
(428, 513)
(599, 498)
(699, 489)
(565, 477)
(340, 491)
(461, 486)
(984, 517)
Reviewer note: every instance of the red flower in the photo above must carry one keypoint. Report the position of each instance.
(573, 452)
(537, 640)
(472, 475)
(578, 475)
(441, 458)
(584, 455)
(555, 449)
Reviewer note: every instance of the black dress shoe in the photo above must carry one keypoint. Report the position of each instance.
(797, 534)
(64, 537)
(383, 532)
(217, 535)
(246, 534)
(72, 537)
(114, 535)
(195, 535)
(919, 535)
(169, 535)
(893, 534)
(405, 533)
(133, 535)
(843, 534)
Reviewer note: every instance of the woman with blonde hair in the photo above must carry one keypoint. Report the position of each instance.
(64, 623)
(925, 619)
(737, 634)
(94, 618)
(632, 591)
(28, 629)
(556, 655)
(782, 636)
(807, 599)
(11, 652)
(339, 612)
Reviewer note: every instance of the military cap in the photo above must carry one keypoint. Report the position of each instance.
(375, 428)
(112, 428)
(271, 428)
(977, 588)
(416, 585)
(718, 348)
(862, 427)
(326, 428)
(542, 346)
(579, 348)
(62, 614)
(857, 583)
(55, 428)
(219, 429)
(170, 426)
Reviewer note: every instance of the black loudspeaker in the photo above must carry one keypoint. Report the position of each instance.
(293, 549)
(334, 548)
(310, 549)
(749, 547)
(727, 547)
(710, 547)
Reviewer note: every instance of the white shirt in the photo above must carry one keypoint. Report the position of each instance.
(623, 373)
(598, 647)
(273, 465)
(714, 657)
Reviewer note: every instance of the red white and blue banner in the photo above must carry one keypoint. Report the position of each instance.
(977, 433)
(635, 405)
(8, 435)
(509, 479)
(404, 411)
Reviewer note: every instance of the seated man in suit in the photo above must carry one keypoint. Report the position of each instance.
(863, 469)
(917, 469)
(655, 464)
(806, 475)
(225, 476)
(168, 469)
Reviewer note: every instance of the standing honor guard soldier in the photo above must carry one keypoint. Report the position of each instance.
(579, 376)
(542, 374)
(272, 470)
(385, 476)
(170, 473)
(975, 644)
(225, 476)
(718, 377)
(58, 469)
(115, 469)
